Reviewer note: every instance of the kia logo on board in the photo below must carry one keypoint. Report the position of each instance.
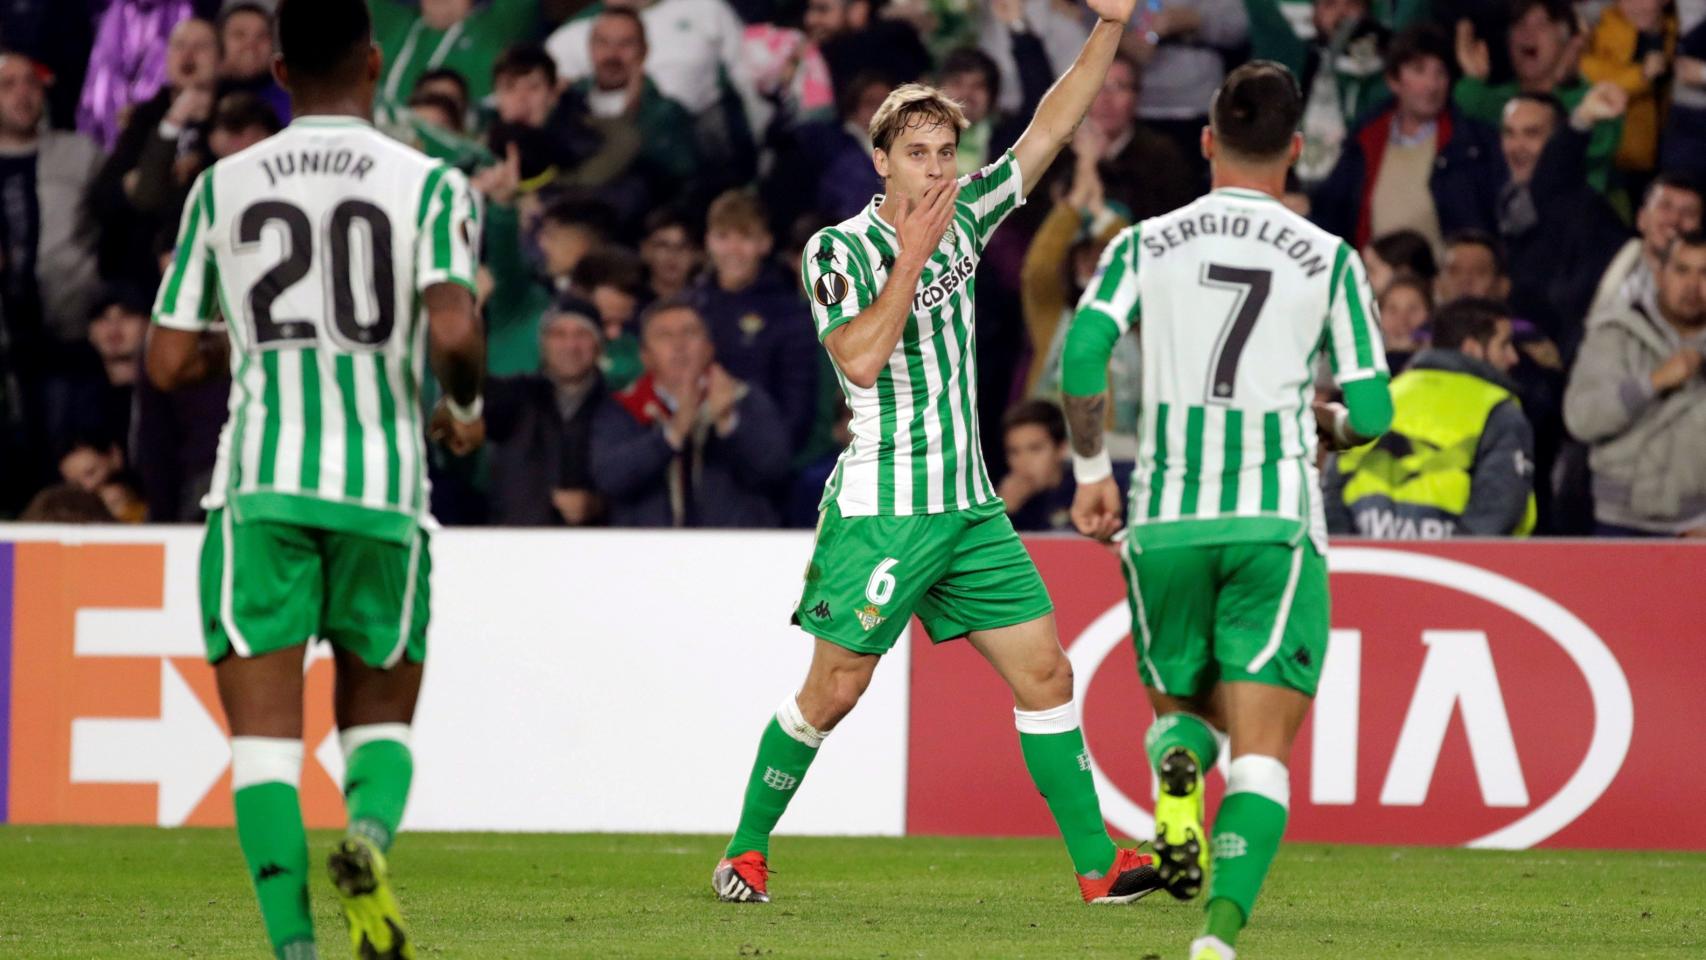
(1456, 705)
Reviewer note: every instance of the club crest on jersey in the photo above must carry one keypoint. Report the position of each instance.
(869, 617)
(830, 289)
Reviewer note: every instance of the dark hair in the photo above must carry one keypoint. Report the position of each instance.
(1547, 100)
(1693, 240)
(681, 301)
(66, 503)
(973, 60)
(662, 218)
(1557, 11)
(445, 73)
(1476, 237)
(1256, 111)
(1676, 180)
(1422, 288)
(438, 101)
(1466, 319)
(571, 211)
(631, 15)
(610, 267)
(1041, 413)
(242, 6)
(1407, 251)
(523, 59)
(324, 41)
(846, 100)
(243, 110)
(1418, 42)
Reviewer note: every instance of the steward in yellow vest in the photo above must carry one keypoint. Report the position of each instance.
(1458, 459)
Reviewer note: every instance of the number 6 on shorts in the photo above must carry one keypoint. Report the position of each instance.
(880, 589)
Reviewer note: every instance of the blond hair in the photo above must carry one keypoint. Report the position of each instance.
(915, 105)
(737, 210)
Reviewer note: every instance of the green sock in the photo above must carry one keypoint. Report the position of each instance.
(377, 769)
(784, 754)
(1247, 832)
(1060, 767)
(1182, 730)
(269, 829)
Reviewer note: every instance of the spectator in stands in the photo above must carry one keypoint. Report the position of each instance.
(1141, 170)
(1182, 47)
(789, 77)
(971, 78)
(164, 176)
(1037, 490)
(58, 34)
(670, 253)
(539, 426)
(555, 140)
(1559, 233)
(66, 503)
(1459, 457)
(612, 280)
(1406, 312)
(177, 115)
(94, 396)
(128, 63)
(687, 445)
(48, 276)
(1339, 70)
(1546, 45)
(1637, 396)
(825, 169)
(1420, 139)
(855, 40)
(1060, 28)
(246, 53)
(760, 327)
(446, 82)
(617, 88)
(1671, 207)
(461, 35)
(1632, 46)
(569, 229)
(96, 463)
(1474, 266)
(1401, 253)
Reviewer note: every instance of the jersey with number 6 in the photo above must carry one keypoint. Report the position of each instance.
(315, 246)
(1234, 296)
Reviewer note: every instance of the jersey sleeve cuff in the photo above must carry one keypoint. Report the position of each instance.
(832, 326)
(445, 276)
(179, 323)
(1355, 375)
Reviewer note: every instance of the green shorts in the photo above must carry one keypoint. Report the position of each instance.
(960, 571)
(1236, 611)
(266, 586)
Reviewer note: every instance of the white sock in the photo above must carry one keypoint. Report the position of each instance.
(257, 760)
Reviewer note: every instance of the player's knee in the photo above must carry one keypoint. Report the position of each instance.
(1046, 683)
(845, 690)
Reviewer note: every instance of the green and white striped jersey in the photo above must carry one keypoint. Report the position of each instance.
(1236, 296)
(915, 447)
(315, 245)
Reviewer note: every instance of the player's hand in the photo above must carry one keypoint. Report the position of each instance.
(1473, 58)
(1330, 425)
(1675, 371)
(1606, 101)
(1096, 510)
(1115, 11)
(454, 435)
(923, 221)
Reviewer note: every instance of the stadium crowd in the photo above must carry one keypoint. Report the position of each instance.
(1521, 177)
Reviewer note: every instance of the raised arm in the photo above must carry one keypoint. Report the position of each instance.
(1069, 99)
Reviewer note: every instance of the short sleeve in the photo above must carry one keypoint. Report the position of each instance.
(1353, 322)
(1112, 292)
(188, 295)
(838, 279)
(990, 194)
(448, 238)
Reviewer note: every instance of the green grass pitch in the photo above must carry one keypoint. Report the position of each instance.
(72, 892)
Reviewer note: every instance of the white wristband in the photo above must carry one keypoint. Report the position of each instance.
(1092, 469)
(1342, 426)
(465, 414)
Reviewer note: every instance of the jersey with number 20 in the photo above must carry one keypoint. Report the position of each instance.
(315, 245)
(1234, 295)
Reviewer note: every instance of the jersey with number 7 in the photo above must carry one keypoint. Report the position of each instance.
(1235, 296)
(315, 246)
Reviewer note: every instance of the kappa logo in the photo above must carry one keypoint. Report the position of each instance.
(821, 611)
(870, 617)
(1228, 846)
(830, 289)
(777, 780)
(269, 871)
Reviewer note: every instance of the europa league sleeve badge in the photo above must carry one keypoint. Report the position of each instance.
(830, 289)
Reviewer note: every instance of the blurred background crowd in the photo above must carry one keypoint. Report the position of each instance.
(1520, 176)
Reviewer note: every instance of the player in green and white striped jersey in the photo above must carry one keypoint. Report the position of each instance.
(911, 524)
(1234, 296)
(339, 260)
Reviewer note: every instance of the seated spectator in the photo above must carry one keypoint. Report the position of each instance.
(539, 426)
(570, 229)
(1038, 488)
(128, 63)
(1406, 311)
(461, 35)
(1682, 148)
(1140, 170)
(66, 503)
(1632, 46)
(1339, 71)
(556, 142)
(1636, 395)
(94, 397)
(761, 329)
(1420, 139)
(246, 54)
(1401, 253)
(96, 464)
(1559, 233)
(670, 253)
(446, 82)
(611, 280)
(1183, 46)
(687, 445)
(1458, 459)
(855, 39)
(1061, 29)
(1545, 46)
(1474, 266)
(1672, 207)
(177, 115)
(617, 88)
